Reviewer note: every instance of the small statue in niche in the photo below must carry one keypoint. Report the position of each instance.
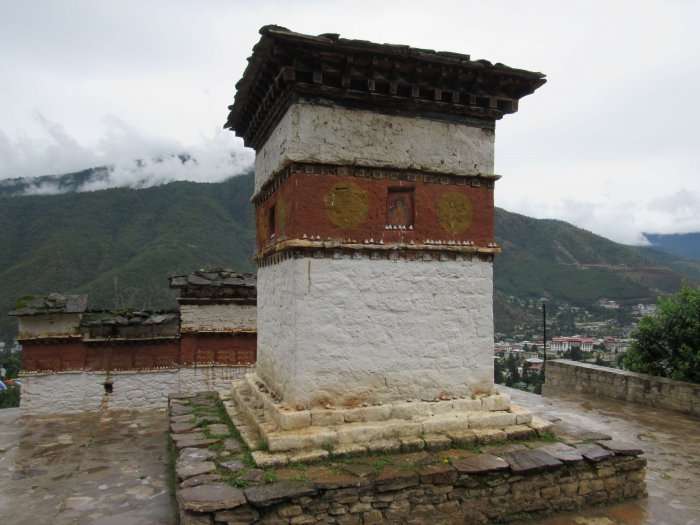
(400, 207)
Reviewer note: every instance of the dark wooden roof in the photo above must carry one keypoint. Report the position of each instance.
(286, 66)
(215, 286)
(216, 277)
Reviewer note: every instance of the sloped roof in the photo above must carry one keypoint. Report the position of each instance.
(128, 318)
(217, 277)
(54, 303)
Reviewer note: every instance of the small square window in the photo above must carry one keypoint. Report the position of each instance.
(400, 207)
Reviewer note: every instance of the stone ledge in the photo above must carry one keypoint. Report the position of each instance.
(565, 377)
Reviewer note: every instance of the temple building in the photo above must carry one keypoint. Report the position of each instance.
(217, 316)
(78, 359)
(374, 181)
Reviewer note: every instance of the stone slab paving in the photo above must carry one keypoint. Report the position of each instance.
(91, 468)
(671, 444)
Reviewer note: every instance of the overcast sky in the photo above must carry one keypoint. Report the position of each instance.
(610, 143)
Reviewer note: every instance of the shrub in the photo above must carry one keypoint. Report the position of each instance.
(10, 398)
(667, 344)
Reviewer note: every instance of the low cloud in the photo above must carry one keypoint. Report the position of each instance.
(133, 158)
(623, 221)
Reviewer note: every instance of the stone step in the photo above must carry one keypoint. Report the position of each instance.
(365, 433)
(258, 395)
(278, 432)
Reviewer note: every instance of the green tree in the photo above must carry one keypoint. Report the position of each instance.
(10, 398)
(498, 375)
(12, 361)
(575, 354)
(667, 344)
(513, 375)
(567, 322)
(535, 382)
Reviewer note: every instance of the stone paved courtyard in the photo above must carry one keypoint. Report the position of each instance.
(671, 442)
(84, 469)
(110, 469)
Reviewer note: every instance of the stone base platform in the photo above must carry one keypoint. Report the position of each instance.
(278, 435)
(218, 482)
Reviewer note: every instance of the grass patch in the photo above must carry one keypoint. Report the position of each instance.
(381, 462)
(328, 447)
(246, 455)
(472, 447)
(548, 437)
(170, 474)
(232, 478)
(270, 476)
(216, 447)
(299, 466)
(302, 476)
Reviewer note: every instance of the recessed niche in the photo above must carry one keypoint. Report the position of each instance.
(400, 207)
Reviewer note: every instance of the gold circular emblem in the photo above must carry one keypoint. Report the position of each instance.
(346, 204)
(454, 212)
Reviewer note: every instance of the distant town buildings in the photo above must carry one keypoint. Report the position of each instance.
(644, 309)
(532, 366)
(560, 345)
(566, 344)
(609, 304)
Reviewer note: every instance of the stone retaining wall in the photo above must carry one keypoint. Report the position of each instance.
(444, 495)
(565, 377)
(219, 484)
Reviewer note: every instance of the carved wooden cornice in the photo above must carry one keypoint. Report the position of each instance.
(396, 79)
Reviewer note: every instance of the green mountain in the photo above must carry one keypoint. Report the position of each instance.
(118, 245)
(681, 244)
(51, 184)
(555, 260)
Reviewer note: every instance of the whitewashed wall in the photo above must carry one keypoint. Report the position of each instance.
(47, 325)
(67, 392)
(217, 317)
(336, 135)
(343, 330)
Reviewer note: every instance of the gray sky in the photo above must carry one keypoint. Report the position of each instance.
(609, 143)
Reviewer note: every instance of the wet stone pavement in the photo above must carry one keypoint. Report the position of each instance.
(671, 444)
(111, 468)
(90, 468)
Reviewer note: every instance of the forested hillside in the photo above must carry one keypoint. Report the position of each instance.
(119, 245)
(680, 244)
